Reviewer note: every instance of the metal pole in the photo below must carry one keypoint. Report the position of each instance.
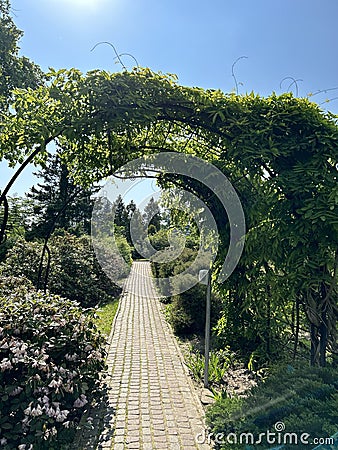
(207, 331)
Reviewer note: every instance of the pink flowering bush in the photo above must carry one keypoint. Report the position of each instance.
(51, 354)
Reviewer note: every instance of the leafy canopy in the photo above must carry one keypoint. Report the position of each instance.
(279, 152)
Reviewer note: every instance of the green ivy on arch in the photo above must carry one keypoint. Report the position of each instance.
(279, 152)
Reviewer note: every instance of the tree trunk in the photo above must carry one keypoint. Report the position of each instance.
(268, 322)
(314, 345)
(296, 327)
(323, 338)
(323, 333)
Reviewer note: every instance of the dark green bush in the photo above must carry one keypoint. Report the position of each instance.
(74, 270)
(6, 246)
(76, 274)
(50, 358)
(11, 283)
(186, 311)
(22, 260)
(304, 399)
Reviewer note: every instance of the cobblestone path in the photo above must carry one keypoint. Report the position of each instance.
(155, 404)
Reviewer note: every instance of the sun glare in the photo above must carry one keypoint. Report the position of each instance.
(85, 5)
(84, 2)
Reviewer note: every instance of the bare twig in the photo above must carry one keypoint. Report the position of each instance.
(131, 56)
(115, 51)
(294, 82)
(233, 71)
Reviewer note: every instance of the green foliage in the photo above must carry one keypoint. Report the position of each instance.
(280, 153)
(23, 260)
(74, 270)
(76, 274)
(152, 215)
(304, 399)
(114, 220)
(18, 222)
(219, 363)
(124, 248)
(160, 241)
(122, 214)
(19, 215)
(186, 311)
(11, 283)
(15, 71)
(56, 202)
(51, 356)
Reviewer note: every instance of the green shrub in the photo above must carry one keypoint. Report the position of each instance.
(160, 239)
(50, 358)
(23, 260)
(12, 283)
(124, 249)
(74, 272)
(186, 311)
(6, 246)
(304, 399)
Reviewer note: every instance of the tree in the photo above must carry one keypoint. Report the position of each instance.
(19, 215)
(123, 215)
(15, 71)
(152, 215)
(121, 218)
(58, 202)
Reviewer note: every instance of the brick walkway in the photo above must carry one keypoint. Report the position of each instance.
(155, 404)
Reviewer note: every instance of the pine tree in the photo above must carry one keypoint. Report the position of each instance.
(58, 202)
(121, 214)
(152, 215)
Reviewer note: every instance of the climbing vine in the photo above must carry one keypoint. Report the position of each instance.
(279, 152)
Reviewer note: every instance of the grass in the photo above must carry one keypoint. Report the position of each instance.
(106, 316)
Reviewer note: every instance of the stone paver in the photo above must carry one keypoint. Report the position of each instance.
(155, 404)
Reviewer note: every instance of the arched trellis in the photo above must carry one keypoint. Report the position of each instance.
(281, 150)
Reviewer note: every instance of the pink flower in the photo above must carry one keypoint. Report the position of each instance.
(80, 402)
(5, 364)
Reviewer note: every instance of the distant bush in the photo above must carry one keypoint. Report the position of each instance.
(50, 358)
(304, 399)
(124, 249)
(186, 311)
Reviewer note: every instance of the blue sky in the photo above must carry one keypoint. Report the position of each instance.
(197, 40)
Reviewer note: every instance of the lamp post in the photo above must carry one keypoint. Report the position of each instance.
(205, 278)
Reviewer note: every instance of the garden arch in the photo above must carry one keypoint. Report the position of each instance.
(279, 152)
